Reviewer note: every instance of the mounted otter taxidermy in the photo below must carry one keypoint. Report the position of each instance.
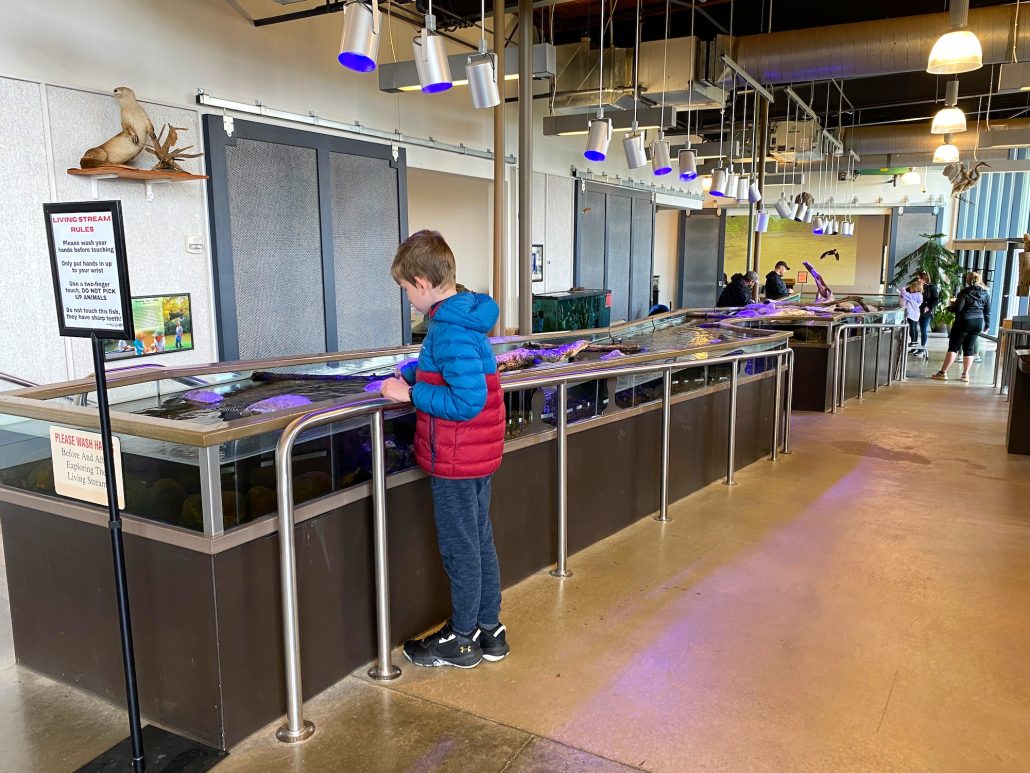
(137, 131)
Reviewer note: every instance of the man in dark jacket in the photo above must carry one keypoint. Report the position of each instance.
(774, 286)
(738, 291)
(931, 297)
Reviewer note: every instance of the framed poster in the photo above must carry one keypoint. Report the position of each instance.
(90, 272)
(163, 323)
(536, 261)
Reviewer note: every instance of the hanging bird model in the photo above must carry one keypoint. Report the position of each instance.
(963, 179)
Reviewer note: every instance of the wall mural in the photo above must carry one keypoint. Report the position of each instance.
(794, 242)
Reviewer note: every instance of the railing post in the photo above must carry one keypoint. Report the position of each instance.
(876, 370)
(861, 366)
(777, 408)
(296, 728)
(663, 505)
(997, 359)
(835, 349)
(731, 441)
(562, 569)
(892, 334)
(904, 359)
(790, 400)
(383, 670)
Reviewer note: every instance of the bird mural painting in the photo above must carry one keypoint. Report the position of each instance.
(137, 131)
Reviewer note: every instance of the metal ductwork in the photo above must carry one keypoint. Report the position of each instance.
(868, 49)
(904, 139)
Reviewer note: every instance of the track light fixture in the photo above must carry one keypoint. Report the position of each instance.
(687, 160)
(598, 138)
(949, 119)
(359, 44)
(661, 160)
(783, 208)
(434, 71)
(818, 225)
(636, 153)
(958, 50)
(762, 222)
(481, 70)
(719, 185)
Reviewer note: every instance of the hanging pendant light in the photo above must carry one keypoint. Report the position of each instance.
(434, 71)
(687, 161)
(661, 160)
(481, 70)
(754, 195)
(636, 153)
(720, 180)
(911, 177)
(359, 44)
(661, 153)
(946, 153)
(599, 136)
(809, 215)
(599, 132)
(800, 210)
(958, 50)
(949, 120)
(743, 186)
(818, 225)
(762, 222)
(706, 183)
(783, 208)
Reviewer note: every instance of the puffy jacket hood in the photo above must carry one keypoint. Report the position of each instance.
(474, 311)
(976, 292)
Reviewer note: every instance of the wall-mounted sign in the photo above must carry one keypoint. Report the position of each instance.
(536, 260)
(91, 278)
(163, 323)
(79, 469)
(802, 277)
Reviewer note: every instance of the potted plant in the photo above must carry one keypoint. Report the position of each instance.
(944, 271)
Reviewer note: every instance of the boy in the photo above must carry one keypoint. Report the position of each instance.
(459, 439)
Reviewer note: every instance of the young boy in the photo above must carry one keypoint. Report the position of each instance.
(459, 439)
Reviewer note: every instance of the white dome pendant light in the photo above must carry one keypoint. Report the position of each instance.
(949, 119)
(958, 50)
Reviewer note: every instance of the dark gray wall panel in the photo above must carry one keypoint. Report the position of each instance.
(618, 223)
(365, 237)
(906, 233)
(642, 262)
(277, 249)
(700, 261)
(590, 239)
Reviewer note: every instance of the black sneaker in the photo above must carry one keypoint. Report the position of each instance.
(445, 647)
(494, 645)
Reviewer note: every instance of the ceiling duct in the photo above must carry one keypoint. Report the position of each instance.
(916, 138)
(869, 49)
(576, 83)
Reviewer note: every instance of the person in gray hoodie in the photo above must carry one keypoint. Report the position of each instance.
(972, 309)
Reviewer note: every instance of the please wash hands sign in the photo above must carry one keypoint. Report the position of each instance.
(79, 470)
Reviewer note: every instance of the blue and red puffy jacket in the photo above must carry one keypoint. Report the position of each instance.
(457, 393)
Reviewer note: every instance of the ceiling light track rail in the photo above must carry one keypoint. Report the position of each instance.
(585, 175)
(396, 137)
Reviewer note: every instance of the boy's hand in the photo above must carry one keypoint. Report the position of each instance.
(396, 389)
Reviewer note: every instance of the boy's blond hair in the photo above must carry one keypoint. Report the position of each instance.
(424, 254)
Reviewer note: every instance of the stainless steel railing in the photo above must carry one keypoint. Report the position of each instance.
(840, 359)
(1009, 340)
(297, 728)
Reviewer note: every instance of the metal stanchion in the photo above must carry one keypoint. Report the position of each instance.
(790, 399)
(890, 357)
(997, 359)
(836, 369)
(562, 569)
(876, 370)
(383, 670)
(663, 505)
(777, 408)
(731, 441)
(296, 728)
(861, 368)
(904, 359)
(843, 370)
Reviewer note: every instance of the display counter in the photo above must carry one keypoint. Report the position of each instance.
(197, 449)
(1018, 433)
(818, 336)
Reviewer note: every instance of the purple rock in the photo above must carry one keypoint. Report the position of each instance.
(612, 355)
(278, 403)
(203, 397)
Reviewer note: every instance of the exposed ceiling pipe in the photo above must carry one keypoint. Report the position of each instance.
(872, 48)
(910, 138)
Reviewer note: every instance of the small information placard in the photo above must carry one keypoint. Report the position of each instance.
(79, 470)
(91, 281)
(802, 277)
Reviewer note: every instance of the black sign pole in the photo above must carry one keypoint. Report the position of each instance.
(121, 586)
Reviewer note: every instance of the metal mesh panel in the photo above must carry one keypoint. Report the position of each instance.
(617, 274)
(640, 263)
(590, 239)
(366, 229)
(277, 249)
(700, 268)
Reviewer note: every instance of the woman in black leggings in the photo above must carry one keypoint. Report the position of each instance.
(972, 310)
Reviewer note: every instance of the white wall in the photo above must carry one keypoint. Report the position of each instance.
(466, 221)
(666, 259)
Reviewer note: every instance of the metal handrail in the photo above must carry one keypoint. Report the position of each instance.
(840, 359)
(297, 728)
(21, 382)
(1005, 358)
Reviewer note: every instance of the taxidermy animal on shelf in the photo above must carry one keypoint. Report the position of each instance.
(163, 147)
(804, 198)
(136, 131)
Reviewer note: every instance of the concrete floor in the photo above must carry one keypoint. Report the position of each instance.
(862, 604)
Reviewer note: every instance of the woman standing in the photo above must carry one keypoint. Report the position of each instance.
(972, 310)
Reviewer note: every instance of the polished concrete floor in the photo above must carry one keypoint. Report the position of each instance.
(862, 604)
